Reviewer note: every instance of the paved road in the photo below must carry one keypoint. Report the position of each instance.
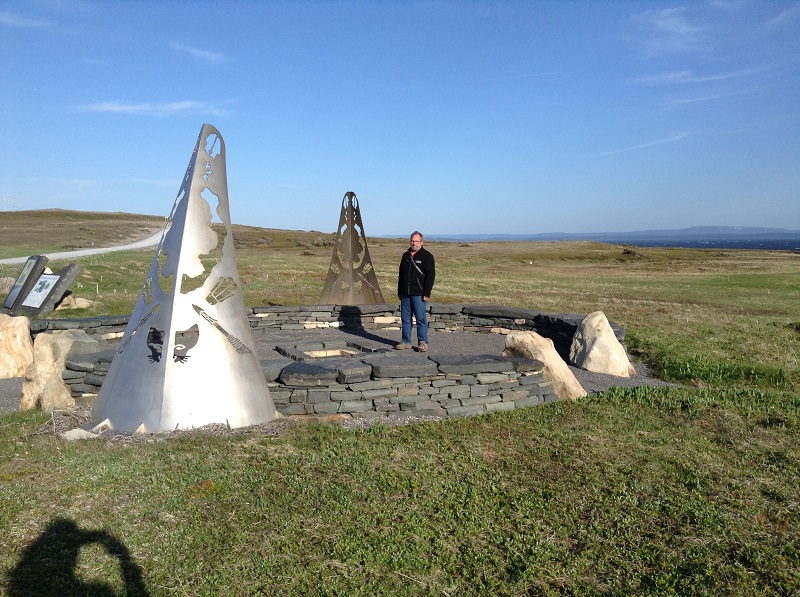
(145, 243)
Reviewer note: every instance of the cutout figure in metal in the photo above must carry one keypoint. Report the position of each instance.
(188, 358)
(351, 278)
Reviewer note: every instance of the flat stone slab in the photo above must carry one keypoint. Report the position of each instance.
(86, 362)
(494, 311)
(402, 366)
(525, 365)
(272, 367)
(481, 363)
(308, 374)
(446, 308)
(353, 310)
(349, 370)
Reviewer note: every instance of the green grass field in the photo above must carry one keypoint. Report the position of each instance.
(684, 491)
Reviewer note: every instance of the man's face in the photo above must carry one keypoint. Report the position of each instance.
(416, 242)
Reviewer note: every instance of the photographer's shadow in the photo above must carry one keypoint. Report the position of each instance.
(48, 566)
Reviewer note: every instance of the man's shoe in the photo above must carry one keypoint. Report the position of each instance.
(423, 346)
(402, 346)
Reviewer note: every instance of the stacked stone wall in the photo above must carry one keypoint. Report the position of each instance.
(382, 384)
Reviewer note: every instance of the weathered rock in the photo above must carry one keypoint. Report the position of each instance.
(533, 346)
(72, 302)
(16, 347)
(43, 387)
(596, 348)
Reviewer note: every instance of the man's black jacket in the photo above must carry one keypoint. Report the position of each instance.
(416, 276)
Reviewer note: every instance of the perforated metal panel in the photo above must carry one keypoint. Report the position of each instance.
(188, 358)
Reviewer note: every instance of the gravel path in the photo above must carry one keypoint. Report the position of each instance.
(440, 343)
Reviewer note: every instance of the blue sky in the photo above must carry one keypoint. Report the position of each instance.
(449, 117)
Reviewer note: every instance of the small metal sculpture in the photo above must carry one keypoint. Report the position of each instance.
(187, 358)
(351, 278)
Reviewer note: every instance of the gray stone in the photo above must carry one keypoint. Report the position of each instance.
(525, 365)
(530, 401)
(68, 375)
(399, 399)
(284, 395)
(318, 396)
(500, 406)
(480, 400)
(489, 378)
(375, 384)
(351, 370)
(295, 408)
(465, 411)
(448, 402)
(83, 388)
(437, 308)
(432, 408)
(472, 363)
(380, 393)
(529, 380)
(326, 408)
(272, 368)
(478, 390)
(86, 365)
(94, 379)
(402, 366)
(355, 406)
(541, 389)
(459, 392)
(306, 374)
(385, 408)
(512, 395)
(493, 311)
(408, 391)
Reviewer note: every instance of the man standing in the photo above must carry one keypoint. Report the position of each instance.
(414, 287)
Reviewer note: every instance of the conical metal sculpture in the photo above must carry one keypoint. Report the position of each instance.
(188, 358)
(351, 278)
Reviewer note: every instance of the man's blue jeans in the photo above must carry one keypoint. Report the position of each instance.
(415, 305)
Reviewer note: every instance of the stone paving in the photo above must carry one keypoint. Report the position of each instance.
(440, 344)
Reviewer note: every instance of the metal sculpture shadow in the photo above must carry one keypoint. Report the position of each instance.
(187, 358)
(48, 566)
(351, 277)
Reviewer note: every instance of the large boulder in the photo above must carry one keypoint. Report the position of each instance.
(533, 346)
(16, 347)
(596, 348)
(43, 386)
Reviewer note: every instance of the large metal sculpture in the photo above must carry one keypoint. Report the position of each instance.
(351, 278)
(188, 358)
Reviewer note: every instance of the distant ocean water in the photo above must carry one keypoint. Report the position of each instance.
(783, 244)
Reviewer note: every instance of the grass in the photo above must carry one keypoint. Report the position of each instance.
(632, 492)
(660, 491)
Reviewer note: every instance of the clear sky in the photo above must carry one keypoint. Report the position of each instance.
(452, 117)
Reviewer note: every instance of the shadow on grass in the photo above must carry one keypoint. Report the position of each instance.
(48, 566)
